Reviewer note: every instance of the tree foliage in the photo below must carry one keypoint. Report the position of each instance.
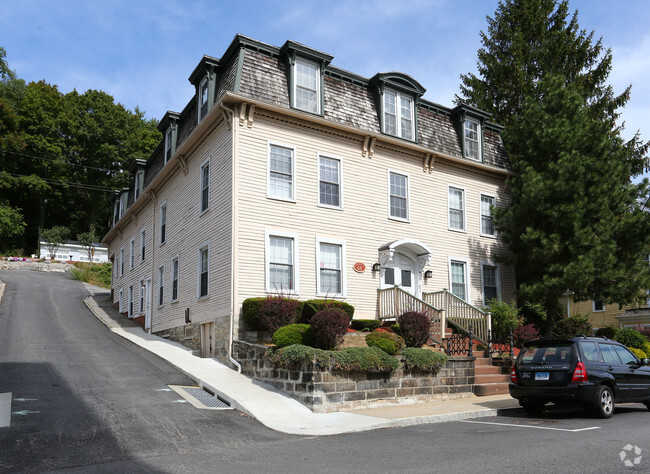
(12, 224)
(61, 155)
(54, 237)
(574, 221)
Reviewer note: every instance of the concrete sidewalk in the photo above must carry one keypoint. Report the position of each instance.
(275, 409)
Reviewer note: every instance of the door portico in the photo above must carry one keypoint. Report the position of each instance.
(402, 262)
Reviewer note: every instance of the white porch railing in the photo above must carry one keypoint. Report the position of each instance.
(461, 313)
(394, 301)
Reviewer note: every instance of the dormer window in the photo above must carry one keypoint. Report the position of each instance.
(203, 98)
(307, 86)
(398, 114)
(168, 126)
(139, 184)
(168, 145)
(472, 139)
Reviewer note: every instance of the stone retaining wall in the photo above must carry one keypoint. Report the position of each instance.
(188, 335)
(325, 391)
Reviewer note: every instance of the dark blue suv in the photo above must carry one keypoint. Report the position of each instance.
(592, 371)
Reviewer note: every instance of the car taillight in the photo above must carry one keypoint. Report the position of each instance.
(513, 375)
(580, 374)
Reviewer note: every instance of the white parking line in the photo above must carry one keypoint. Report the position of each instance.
(529, 426)
(5, 409)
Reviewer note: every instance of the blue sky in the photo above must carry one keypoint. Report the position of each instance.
(142, 52)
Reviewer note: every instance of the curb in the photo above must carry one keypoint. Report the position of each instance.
(2, 290)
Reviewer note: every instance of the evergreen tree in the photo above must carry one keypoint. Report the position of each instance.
(574, 221)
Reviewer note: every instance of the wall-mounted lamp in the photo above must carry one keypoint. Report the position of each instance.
(187, 316)
(376, 267)
(428, 274)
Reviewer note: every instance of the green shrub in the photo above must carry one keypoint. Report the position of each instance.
(423, 359)
(98, 274)
(573, 326)
(367, 359)
(638, 352)
(646, 348)
(609, 332)
(293, 334)
(311, 307)
(395, 329)
(505, 317)
(278, 311)
(329, 326)
(251, 311)
(414, 328)
(631, 338)
(365, 324)
(387, 341)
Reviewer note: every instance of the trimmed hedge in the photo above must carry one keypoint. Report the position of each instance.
(573, 326)
(365, 324)
(329, 326)
(423, 359)
(293, 334)
(277, 311)
(388, 342)
(414, 328)
(366, 359)
(251, 311)
(631, 338)
(311, 307)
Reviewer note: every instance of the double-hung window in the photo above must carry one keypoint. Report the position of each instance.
(163, 224)
(598, 306)
(331, 278)
(472, 139)
(203, 98)
(487, 220)
(142, 289)
(204, 269)
(456, 208)
(398, 196)
(329, 174)
(168, 145)
(398, 114)
(307, 86)
(161, 285)
(174, 279)
(458, 278)
(490, 280)
(131, 254)
(281, 172)
(131, 301)
(143, 244)
(281, 268)
(139, 184)
(121, 261)
(205, 186)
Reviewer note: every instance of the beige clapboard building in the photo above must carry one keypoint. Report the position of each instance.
(287, 175)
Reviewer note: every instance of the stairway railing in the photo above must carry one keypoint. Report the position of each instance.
(461, 314)
(394, 301)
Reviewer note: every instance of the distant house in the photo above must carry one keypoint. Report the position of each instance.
(75, 252)
(611, 314)
(287, 175)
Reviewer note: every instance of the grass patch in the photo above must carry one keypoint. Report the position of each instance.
(98, 274)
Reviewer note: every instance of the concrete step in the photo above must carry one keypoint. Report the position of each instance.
(487, 370)
(491, 378)
(482, 361)
(490, 389)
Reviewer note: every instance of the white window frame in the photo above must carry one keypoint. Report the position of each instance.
(161, 286)
(122, 261)
(317, 91)
(143, 245)
(120, 302)
(163, 222)
(269, 194)
(398, 114)
(593, 307)
(204, 246)
(487, 263)
(267, 262)
(168, 145)
(322, 156)
(131, 302)
(342, 245)
(465, 261)
(464, 209)
(408, 196)
(142, 298)
(466, 139)
(131, 254)
(200, 102)
(178, 274)
(116, 269)
(138, 184)
(203, 187)
(491, 215)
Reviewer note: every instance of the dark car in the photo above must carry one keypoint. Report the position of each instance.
(592, 371)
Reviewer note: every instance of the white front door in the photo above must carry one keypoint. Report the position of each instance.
(147, 304)
(400, 271)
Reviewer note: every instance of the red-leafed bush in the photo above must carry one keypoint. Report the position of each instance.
(277, 311)
(329, 326)
(523, 333)
(414, 328)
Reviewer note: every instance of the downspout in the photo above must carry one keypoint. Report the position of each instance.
(230, 117)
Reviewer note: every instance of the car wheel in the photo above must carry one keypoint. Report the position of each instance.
(604, 402)
(533, 408)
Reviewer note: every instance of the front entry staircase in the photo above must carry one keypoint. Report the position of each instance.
(449, 314)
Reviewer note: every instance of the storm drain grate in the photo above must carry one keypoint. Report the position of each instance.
(205, 398)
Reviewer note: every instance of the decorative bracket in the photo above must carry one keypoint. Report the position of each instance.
(183, 163)
(368, 146)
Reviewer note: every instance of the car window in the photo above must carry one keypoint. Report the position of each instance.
(551, 354)
(590, 351)
(626, 356)
(609, 354)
